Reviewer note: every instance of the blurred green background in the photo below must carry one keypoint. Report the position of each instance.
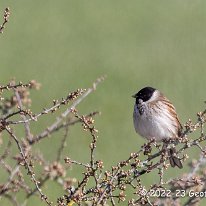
(67, 44)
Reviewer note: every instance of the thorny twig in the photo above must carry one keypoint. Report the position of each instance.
(26, 125)
(128, 172)
(53, 170)
(27, 166)
(6, 19)
(97, 186)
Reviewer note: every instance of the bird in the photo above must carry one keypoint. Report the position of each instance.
(155, 117)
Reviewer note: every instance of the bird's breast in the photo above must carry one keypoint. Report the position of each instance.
(153, 122)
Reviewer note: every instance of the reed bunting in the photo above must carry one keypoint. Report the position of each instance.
(155, 117)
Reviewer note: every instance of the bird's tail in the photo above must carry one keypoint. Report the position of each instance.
(174, 160)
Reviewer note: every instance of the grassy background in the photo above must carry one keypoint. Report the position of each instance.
(68, 44)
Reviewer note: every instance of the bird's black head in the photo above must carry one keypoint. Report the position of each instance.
(144, 94)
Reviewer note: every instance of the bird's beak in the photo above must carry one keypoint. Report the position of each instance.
(134, 95)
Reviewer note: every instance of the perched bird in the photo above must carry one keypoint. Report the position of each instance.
(155, 117)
